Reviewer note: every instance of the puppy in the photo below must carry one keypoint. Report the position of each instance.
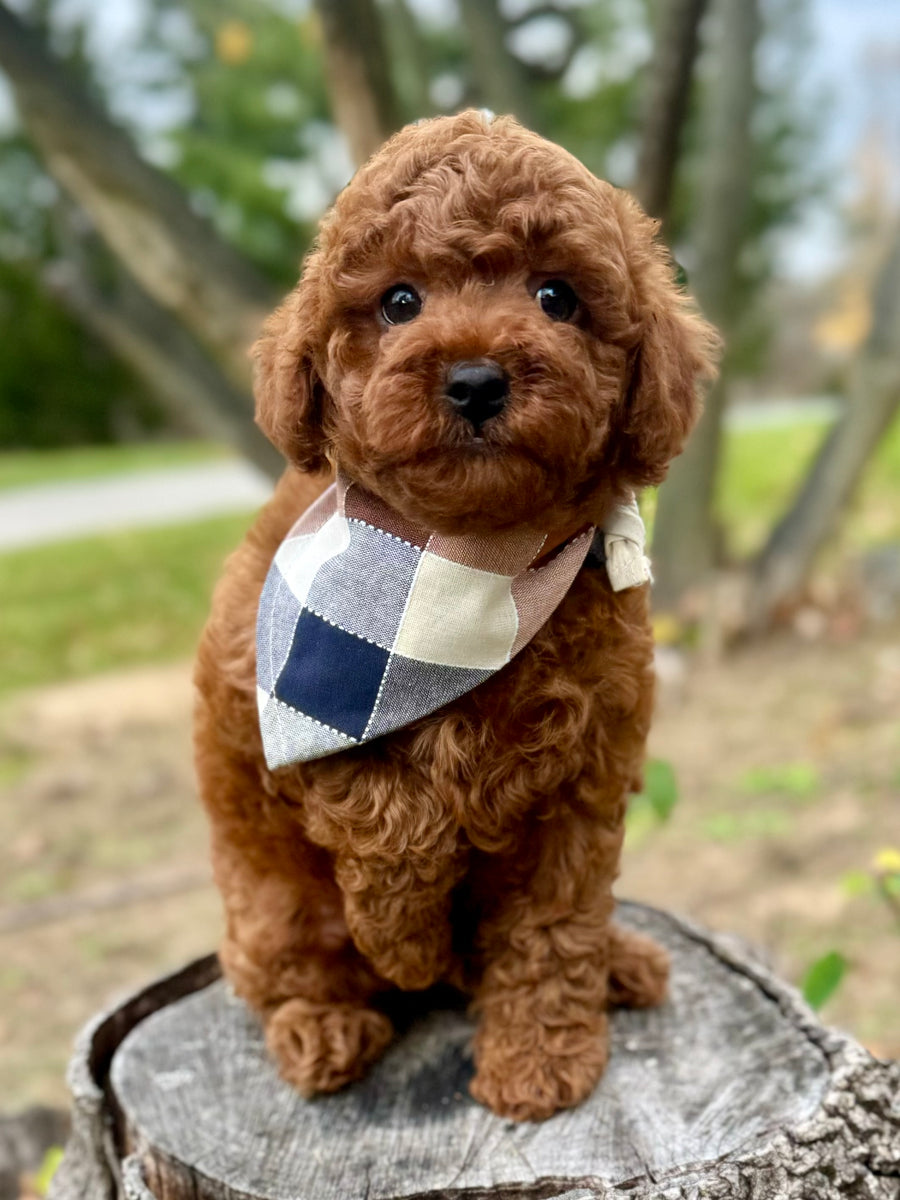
(488, 345)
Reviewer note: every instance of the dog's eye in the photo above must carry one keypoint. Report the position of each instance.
(400, 304)
(557, 300)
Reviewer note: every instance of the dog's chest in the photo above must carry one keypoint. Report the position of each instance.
(529, 732)
(588, 660)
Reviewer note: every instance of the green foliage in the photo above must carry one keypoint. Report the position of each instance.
(797, 783)
(879, 493)
(760, 469)
(793, 781)
(856, 883)
(739, 827)
(259, 96)
(47, 1170)
(232, 102)
(30, 884)
(823, 978)
(785, 127)
(15, 761)
(660, 788)
(654, 805)
(763, 466)
(881, 882)
(58, 385)
(80, 607)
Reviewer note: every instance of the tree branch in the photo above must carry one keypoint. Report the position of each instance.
(685, 533)
(501, 79)
(141, 214)
(187, 383)
(670, 74)
(873, 404)
(362, 92)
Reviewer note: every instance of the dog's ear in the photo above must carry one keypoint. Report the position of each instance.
(677, 351)
(290, 396)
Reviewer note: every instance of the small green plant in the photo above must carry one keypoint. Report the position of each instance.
(823, 978)
(886, 871)
(736, 827)
(654, 805)
(15, 761)
(660, 788)
(45, 1172)
(794, 781)
(881, 880)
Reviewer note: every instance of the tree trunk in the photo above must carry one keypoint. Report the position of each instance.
(669, 88)
(410, 57)
(359, 74)
(872, 404)
(187, 383)
(730, 1090)
(685, 531)
(500, 78)
(141, 214)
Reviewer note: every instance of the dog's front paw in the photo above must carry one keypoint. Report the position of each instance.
(528, 1074)
(411, 961)
(323, 1047)
(414, 964)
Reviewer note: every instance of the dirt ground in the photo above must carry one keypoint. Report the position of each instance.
(787, 757)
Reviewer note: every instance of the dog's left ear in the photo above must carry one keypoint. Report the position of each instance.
(290, 396)
(677, 351)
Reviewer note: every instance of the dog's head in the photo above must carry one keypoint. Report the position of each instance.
(485, 335)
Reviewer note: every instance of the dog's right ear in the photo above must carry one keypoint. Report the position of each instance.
(290, 396)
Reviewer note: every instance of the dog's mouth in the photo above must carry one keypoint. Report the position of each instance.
(487, 438)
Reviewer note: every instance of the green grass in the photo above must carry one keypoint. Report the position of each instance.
(796, 781)
(761, 468)
(77, 608)
(879, 497)
(22, 468)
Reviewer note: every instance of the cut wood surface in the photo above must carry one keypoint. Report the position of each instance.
(731, 1089)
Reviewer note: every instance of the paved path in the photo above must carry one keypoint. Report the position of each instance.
(30, 516)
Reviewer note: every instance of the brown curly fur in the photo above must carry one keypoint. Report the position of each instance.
(480, 844)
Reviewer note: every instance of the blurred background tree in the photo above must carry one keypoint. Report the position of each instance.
(168, 166)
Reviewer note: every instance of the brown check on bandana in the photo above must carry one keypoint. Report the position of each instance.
(368, 622)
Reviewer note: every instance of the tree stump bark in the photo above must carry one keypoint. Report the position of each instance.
(730, 1090)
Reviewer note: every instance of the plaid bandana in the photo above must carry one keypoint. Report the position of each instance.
(368, 622)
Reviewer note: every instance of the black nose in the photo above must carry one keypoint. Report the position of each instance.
(477, 390)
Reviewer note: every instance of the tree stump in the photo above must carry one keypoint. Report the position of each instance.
(731, 1089)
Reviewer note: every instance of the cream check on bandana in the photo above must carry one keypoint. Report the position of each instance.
(368, 622)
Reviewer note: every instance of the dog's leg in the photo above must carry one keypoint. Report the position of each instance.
(541, 1044)
(398, 854)
(638, 969)
(287, 950)
(398, 911)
